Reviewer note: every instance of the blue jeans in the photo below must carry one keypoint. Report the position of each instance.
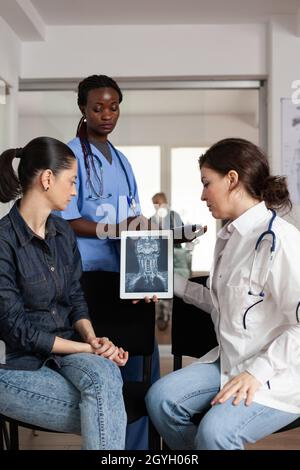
(84, 397)
(174, 399)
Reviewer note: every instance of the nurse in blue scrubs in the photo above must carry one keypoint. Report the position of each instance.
(107, 199)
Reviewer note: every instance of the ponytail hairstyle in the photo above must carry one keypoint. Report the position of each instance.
(253, 169)
(85, 86)
(39, 154)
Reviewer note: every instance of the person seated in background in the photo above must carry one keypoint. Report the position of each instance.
(249, 385)
(54, 371)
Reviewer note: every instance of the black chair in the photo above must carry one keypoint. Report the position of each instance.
(192, 329)
(9, 432)
(130, 326)
(127, 325)
(193, 335)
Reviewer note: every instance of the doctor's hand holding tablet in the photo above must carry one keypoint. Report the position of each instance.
(147, 261)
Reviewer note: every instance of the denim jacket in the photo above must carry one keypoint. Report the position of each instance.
(40, 291)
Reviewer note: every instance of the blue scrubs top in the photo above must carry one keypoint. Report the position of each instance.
(102, 254)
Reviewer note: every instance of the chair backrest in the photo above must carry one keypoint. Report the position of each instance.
(130, 326)
(192, 329)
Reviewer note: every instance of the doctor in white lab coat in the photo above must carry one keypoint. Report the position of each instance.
(249, 385)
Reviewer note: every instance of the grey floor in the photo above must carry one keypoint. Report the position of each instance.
(52, 441)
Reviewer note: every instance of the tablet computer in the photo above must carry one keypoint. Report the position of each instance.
(146, 264)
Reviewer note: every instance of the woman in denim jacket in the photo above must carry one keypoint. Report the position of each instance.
(54, 371)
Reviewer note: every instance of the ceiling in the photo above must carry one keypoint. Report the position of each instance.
(30, 19)
(100, 12)
(145, 102)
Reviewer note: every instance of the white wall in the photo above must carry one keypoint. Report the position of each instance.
(10, 52)
(147, 51)
(284, 53)
(165, 131)
(177, 51)
(147, 130)
(10, 48)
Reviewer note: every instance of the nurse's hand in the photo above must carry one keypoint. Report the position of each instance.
(242, 387)
(147, 300)
(188, 233)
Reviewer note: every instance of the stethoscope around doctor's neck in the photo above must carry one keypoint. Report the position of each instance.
(268, 235)
(97, 165)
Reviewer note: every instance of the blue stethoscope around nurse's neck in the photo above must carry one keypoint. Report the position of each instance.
(96, 163)
(267, 235)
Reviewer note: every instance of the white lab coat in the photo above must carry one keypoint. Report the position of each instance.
(265, 338)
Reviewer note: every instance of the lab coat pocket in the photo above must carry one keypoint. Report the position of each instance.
(252, 312)
(243, 309)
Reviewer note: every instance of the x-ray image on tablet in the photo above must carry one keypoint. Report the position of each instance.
(146, 264)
